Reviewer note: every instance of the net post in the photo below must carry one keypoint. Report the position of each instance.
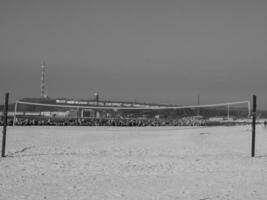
(254, 110)
(5, 125)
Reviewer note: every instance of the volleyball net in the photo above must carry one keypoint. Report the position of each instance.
(33, 113)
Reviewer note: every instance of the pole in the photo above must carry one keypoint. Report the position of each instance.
(253, 125)
(5, 125)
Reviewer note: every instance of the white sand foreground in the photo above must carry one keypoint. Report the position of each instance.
(133, 163)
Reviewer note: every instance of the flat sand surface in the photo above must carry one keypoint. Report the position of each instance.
(133, 163)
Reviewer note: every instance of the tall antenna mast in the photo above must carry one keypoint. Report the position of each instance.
(43, 88)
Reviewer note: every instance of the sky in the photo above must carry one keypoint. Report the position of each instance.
(148, 51)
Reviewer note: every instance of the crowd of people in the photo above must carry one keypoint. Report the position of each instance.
(186, 121)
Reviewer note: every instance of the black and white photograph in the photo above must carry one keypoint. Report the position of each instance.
(133, 100)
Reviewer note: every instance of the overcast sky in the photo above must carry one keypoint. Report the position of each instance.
(149, 51)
